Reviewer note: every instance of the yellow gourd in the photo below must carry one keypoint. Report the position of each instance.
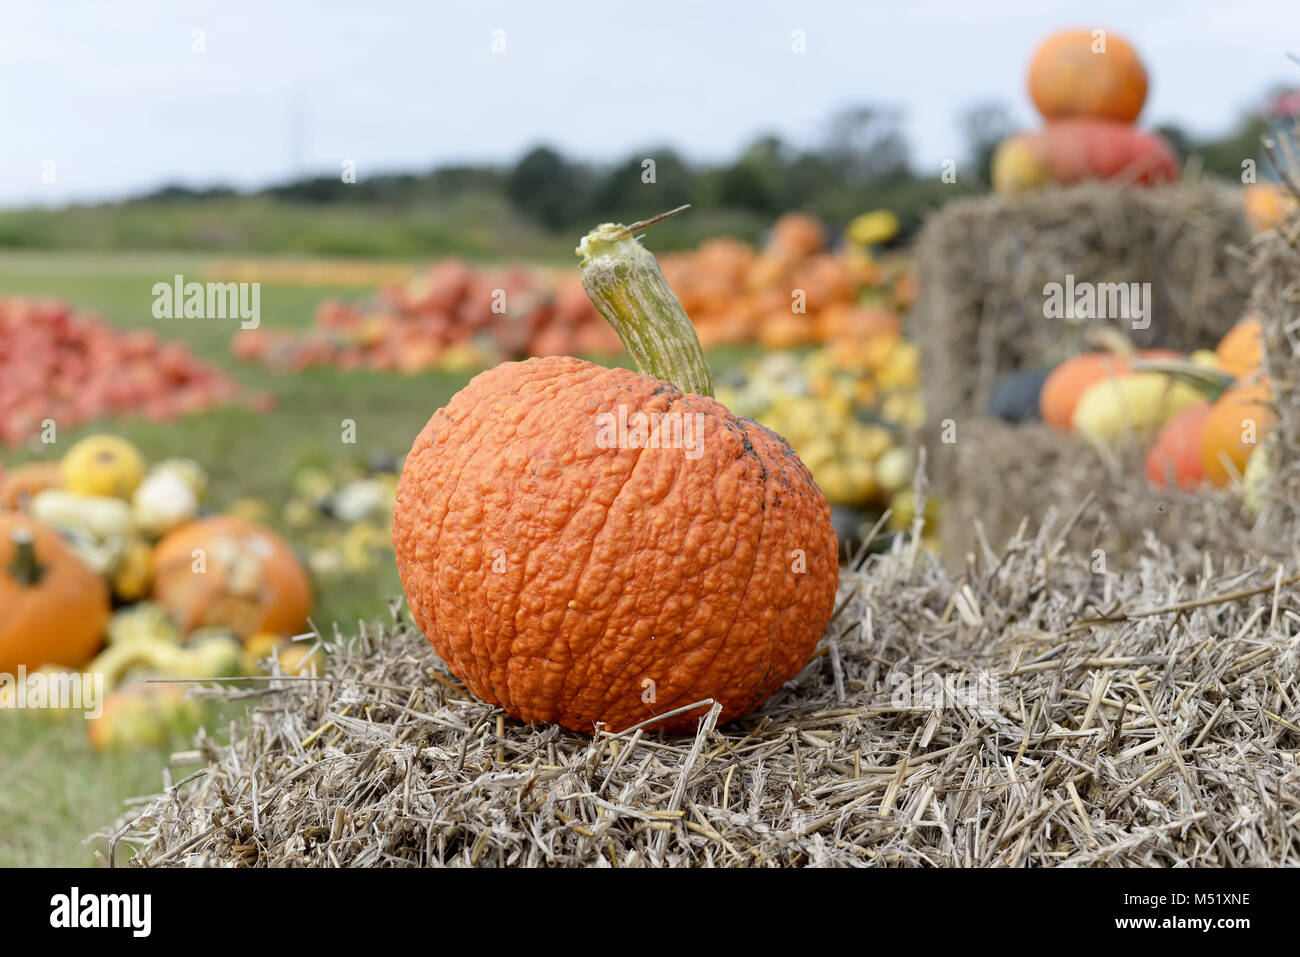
(1134, 405)
(103, 465)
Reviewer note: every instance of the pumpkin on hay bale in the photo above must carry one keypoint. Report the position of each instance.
(593, 546)
(926, 683)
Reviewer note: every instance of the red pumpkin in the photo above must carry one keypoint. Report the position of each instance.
(1074, 150)
(1176, 451)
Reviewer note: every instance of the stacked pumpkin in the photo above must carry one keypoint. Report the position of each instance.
(108, 568)
(1203, 417)
(1090, 86)
(62, 365)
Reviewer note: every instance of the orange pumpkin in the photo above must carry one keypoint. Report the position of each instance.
(53, 608)
(824, 280)
(1237, 422)
(1067, 383)
(845, 322)
(1241, 351)
(228, 572)
(784, 330)
(1087, 73)
(24, 483)
(573, 569)
(798, 235)
(1267, 205)
(1176, 451)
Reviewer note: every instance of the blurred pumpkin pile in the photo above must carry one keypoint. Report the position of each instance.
(451, 316)
(1202, 418)
(849, 410)
(70, 367)
(1090, 86)
(794, 291)
(456, 317)
(108, 567)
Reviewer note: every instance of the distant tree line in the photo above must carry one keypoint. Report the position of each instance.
(863, 163)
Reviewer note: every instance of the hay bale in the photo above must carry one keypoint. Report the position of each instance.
(1021, 709)
(998, 477)
(983, 264)
(1276, 301)
(1023, 712)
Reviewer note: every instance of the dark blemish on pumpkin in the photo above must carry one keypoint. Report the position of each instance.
(750, 450)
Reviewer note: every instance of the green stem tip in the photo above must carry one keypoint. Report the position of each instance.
(26, 570)
(1211, 383)
(624, 282)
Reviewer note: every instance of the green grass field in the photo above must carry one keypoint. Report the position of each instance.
(58, 791)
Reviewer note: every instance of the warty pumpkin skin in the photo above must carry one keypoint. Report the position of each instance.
(571, 583)
(53, 608)
(573, 570)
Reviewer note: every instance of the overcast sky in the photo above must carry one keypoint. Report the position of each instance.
(114, 95)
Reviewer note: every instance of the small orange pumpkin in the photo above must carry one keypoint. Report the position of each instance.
(24, 483)
(797, 235)
(1241, 351)
(227, 572)
(53, 608)
(1267, 205)
(1236, 425)
(1087, 73)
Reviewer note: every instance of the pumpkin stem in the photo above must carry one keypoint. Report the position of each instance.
(1211, 383)
(1112, 341)
(623, 280)
(26, 570)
